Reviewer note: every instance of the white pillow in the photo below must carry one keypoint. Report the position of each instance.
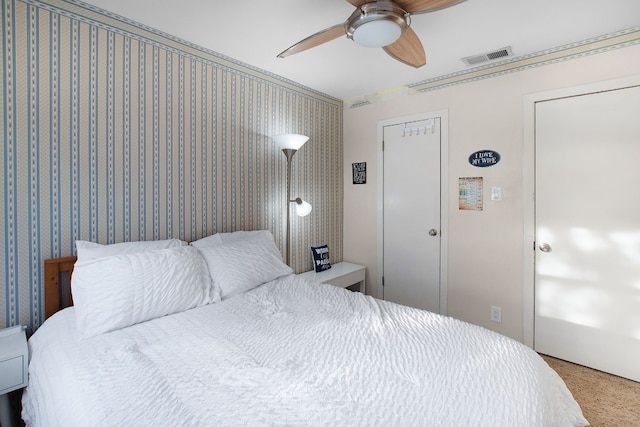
(114, 292)
(219, 238)
(89, 250)
(241, 265)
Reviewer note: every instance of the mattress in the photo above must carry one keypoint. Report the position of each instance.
(291, 352)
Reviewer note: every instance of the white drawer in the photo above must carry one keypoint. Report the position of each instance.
(12, 374)
(14, 359)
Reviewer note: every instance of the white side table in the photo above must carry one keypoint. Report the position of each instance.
(342, 274)
(14, 365)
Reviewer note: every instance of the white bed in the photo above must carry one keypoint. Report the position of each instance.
(290, 352)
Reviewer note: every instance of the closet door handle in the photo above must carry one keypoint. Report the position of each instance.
(544, 247)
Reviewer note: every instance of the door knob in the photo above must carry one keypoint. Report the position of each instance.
(433, 232)
(544, 247)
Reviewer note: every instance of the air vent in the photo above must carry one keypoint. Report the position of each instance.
(489, 56)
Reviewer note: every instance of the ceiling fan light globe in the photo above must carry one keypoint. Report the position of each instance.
(377, 23)
(377, 33)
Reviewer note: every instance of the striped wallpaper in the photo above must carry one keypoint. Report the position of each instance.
(116, 132)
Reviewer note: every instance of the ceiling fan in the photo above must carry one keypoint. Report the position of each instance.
(382, 23)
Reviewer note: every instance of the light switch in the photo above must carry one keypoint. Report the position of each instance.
(496, 193)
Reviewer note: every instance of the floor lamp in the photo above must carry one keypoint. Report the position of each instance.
(289, 144)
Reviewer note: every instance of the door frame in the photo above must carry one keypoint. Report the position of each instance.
(528, 187)
(443, 115)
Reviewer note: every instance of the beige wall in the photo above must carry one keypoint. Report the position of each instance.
(485, 248)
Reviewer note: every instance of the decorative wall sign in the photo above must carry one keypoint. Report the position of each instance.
(320, 258)
(359, 172)
(484, 158)
(470, 194)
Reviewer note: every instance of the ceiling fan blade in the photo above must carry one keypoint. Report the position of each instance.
(423, 6)
(408, 49)
(314, 40)
(358, 3)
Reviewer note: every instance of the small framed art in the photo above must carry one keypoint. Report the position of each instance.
(470, 193)
(359, 172)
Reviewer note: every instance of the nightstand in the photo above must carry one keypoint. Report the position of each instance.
(14, 364)
(342, 274)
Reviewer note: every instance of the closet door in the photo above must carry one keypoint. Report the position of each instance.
(587, 232)
(411, 214)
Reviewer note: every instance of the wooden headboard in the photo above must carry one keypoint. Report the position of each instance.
(57, 284)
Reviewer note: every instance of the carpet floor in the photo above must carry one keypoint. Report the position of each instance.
(606, 400)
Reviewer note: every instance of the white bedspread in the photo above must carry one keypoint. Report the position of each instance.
(292, 353)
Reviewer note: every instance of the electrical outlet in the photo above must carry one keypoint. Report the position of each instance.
(496, 314)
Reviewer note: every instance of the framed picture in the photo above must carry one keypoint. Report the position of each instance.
(359, 172)
(470, 193)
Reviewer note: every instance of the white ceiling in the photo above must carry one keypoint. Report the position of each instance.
(255, 31)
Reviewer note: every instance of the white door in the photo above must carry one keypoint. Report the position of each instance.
(411, 214)
(587, 231)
